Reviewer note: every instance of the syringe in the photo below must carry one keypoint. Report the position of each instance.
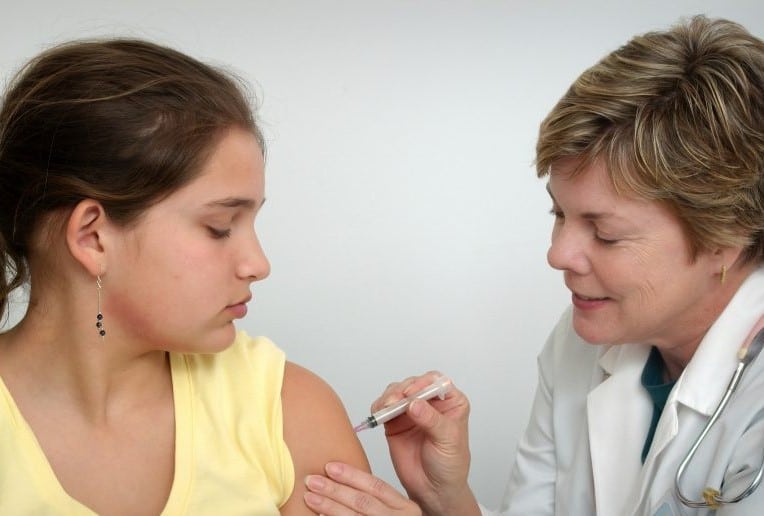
(437, 388)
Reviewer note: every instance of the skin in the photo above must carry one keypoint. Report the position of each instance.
(632, 278)
(102, 410)
(317, 430)
(429, 446)
(628, 266)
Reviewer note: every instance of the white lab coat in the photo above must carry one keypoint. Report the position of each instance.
(580, 454)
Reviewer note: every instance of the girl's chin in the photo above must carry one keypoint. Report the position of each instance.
(213, 341)
(223, 339)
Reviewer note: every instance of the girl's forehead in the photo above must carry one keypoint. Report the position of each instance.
(234, 174)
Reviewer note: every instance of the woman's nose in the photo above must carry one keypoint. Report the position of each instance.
(567, 253)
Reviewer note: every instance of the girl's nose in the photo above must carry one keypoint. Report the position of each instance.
(254, 264)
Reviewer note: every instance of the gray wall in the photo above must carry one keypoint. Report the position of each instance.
(404, 222)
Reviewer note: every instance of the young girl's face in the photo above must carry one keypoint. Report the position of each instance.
(179, 279)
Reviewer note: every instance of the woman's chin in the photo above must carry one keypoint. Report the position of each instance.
(592, 334)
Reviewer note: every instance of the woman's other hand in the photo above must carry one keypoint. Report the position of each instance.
(350, 491)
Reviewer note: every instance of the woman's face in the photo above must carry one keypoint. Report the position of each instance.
(179, 279)
(627, 263)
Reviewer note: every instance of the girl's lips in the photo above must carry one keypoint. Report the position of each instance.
(238, 310)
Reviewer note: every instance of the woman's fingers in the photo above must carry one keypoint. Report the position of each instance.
(350, 491)
(367, 483)
(399, 390)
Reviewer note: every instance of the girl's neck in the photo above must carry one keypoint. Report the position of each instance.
(96, 377)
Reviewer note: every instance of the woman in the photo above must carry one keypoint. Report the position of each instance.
(655, 167)
(131, 176)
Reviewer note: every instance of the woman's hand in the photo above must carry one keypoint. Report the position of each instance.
(350, 491)
(429, 448)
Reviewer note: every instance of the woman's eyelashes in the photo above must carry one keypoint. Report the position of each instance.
(605, 241)
(559, 216)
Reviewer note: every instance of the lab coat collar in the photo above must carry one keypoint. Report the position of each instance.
(705, 378)
(619, 409)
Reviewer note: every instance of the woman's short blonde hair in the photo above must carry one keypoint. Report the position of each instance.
(678, 117)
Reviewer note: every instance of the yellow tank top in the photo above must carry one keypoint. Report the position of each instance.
(230, 455)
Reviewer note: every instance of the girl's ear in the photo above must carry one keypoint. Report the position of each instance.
(84, 235)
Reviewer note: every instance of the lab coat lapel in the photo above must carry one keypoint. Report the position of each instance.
(618, 413)
(666, 431)
(705, 379)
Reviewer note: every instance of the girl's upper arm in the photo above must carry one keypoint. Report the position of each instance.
(316, 430)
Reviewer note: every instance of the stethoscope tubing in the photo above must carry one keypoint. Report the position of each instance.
(713, 496)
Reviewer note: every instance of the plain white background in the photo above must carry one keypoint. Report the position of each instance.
(405, 225)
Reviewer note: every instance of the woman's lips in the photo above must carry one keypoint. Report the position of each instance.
(588, 303)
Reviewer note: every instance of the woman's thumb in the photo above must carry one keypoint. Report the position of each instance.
(426, 417)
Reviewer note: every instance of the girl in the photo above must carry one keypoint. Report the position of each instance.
(131, 177)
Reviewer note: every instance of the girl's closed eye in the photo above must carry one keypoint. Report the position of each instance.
(219, 233)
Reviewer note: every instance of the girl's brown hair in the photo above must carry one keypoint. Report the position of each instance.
(121, 121)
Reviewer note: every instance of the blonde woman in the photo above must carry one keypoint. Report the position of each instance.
(654, 160)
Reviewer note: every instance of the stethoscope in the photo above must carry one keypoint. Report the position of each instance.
(712, 497)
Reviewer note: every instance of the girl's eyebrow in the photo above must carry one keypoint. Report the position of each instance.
(235, 202)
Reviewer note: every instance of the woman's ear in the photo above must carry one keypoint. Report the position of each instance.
(726, 262)
(728, 256)
(84, 235)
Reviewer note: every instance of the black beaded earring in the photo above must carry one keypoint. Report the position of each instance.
(99, 317)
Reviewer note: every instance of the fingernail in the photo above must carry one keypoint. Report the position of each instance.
(416, 407)
(390, 400)
(334, 468)
(315, 482)
(408, 391)
(313, 499)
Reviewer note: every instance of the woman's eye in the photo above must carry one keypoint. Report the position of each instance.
(219, 233)
(606, 241)
(558, 214)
